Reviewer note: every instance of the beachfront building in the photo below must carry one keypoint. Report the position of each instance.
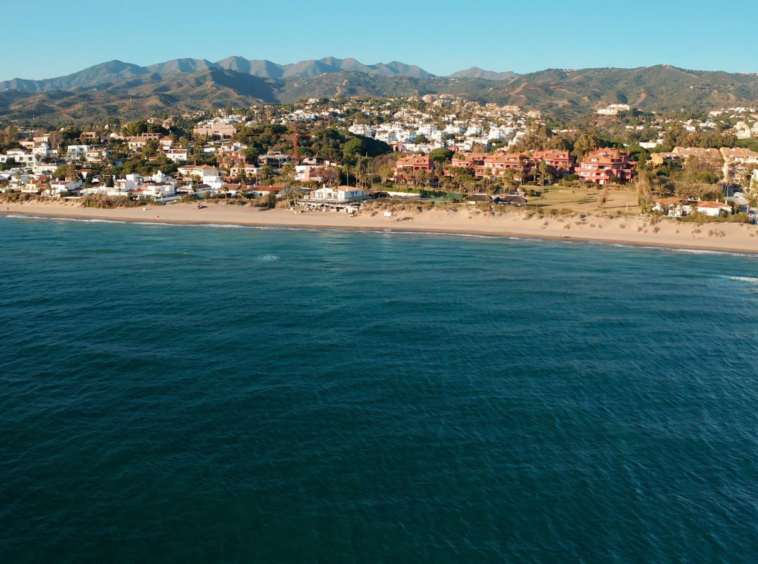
(342, 199)
(155, 191)
(59, 188)
(264, 191)
(468, 160)
(413, 163)
(36, 185)
(606, 166)
(713, 209)
(341, 194)
(674, 207)
(479, 199)
(497, 164)
(680, 207)
(559, 162)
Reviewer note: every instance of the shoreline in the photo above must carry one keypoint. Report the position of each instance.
(421, 223)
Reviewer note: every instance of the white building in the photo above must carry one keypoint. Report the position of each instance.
(156, 191)
(161, 178)
(77, 151)
(341, 194)
(713, 209)
(742, 130)
(64, 186)
(202, 171)
(614, 110)
(177, 155)
(19, 156)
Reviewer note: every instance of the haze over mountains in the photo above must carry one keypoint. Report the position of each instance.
(117, 70)
(127, 91)
(476, 72)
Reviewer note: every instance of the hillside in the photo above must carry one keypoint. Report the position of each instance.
(650, 88)
(565, 93)
(88, 78)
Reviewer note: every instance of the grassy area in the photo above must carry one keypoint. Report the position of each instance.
(587, 200)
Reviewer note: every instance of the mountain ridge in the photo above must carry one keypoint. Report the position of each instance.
(136, 91)
(115, 70)
(476, 72)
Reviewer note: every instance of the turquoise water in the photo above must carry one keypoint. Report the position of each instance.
(202, 394)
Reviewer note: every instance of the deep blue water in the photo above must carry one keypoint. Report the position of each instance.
(201, 394)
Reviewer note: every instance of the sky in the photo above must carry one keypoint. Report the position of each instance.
(51, 38)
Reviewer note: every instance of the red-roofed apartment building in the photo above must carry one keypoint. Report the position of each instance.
(606, 166)
(559, 161)
(406, 166)
(498, 163)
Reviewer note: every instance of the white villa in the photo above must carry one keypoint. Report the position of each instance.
(338, 195)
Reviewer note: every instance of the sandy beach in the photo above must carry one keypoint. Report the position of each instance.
(729, 237)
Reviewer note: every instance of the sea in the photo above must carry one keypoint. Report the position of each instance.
(234, 394)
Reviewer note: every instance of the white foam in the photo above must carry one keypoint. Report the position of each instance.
(69, 219)
(747, 279)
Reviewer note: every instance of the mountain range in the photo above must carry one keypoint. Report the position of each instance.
(127, 91)
(116, 70)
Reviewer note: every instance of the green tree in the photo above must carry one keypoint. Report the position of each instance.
(385, 172)
(134, 128)
(586, 143)
(251, 155)
(440, 156)
(71, 133)
(64, 171)
(151, 148)
(354, 147)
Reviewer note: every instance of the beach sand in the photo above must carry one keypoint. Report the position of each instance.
(632, 230)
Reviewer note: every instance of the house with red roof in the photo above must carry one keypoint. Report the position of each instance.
(606, 166)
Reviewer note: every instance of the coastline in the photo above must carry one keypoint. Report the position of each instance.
(633, 231)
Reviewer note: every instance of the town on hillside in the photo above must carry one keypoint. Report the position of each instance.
(335, 154)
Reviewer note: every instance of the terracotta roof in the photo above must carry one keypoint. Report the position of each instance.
(414, 160)
(738, 153)
(605, 156)
(505, 158)
(713, 205)
(552, 154)
(698, 152)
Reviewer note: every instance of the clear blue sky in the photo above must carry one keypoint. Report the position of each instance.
(50, 38)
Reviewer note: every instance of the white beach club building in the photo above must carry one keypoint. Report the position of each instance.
(342, 194)
(341, 199)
